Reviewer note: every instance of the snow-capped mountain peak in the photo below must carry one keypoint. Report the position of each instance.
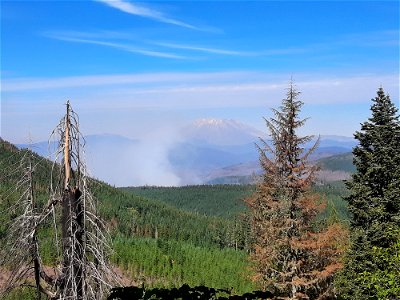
(221, 132)
(208, 122)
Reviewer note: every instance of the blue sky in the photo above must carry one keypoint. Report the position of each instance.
(133, 67)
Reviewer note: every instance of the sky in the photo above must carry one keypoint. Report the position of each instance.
(134, 68)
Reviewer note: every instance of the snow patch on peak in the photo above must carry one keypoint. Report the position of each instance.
(212, 122)
(221, 132)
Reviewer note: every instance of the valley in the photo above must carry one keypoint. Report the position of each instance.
(207, 151)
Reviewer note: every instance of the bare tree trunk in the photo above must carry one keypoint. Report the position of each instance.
(36, 266)
(72, 225)
(78, 235)
(85, 273)
(66, 237)
(72, 241)
(34, 249)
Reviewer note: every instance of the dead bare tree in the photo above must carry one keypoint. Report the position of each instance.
(22, 238)
(82, 253)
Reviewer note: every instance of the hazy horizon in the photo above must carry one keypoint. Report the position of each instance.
(147, 70)
(132, 68)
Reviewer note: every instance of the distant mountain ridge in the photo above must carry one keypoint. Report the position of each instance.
(207, 149)
(236, 159)
(332, 168)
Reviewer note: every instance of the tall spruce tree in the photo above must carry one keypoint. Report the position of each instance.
(374, 202)
(291, 257)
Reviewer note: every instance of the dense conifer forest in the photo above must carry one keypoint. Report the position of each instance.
(210, 200)
(154, 242)
(160, 240)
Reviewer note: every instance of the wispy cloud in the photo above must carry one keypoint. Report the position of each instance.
(203, 49)
(127, 35)
(213, 88)
(26, 84)
(120, 46)
(123, 41)
(231, 52)
(144, 97)
(140, 10)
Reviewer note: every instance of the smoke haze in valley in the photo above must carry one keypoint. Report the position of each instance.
(195, 153)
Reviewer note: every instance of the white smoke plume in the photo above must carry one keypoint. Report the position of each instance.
(123, 162)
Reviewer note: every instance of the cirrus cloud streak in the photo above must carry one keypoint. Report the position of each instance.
(142, 11)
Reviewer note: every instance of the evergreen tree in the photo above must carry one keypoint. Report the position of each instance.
(374, 202)
(291, 257)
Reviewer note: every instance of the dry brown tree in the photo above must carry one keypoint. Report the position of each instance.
(81, 241)
(292, 255)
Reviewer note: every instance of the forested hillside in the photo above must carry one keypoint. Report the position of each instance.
(210, 200)
(154, 243)
(164, 236)
(206, 199)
